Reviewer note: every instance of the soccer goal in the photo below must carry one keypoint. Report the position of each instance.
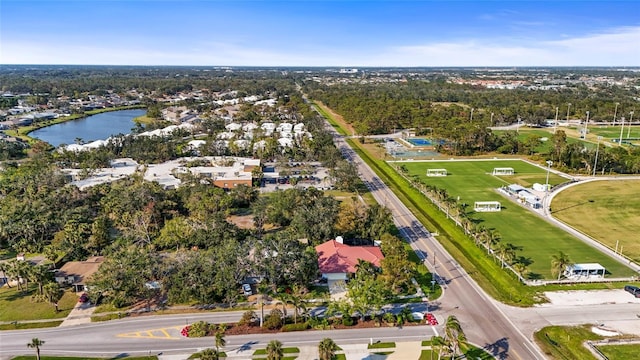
(503, 171)
(486, 206)
(436, 172)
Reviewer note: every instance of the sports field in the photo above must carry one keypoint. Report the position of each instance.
(547, 133)
(472, 181)
(613, 132)
(608, 211)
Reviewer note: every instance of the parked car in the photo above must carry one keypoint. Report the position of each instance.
(430, 319)
(633, 290)
(246, 288)
(83, 298)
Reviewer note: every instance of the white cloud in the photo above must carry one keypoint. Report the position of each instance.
(617, 47)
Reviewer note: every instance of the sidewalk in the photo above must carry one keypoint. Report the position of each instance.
(81, 314)
(402, 351)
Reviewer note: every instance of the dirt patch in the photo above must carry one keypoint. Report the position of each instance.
(337, 117)
(243, 222)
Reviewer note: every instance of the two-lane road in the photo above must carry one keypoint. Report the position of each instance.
(482, 320)
(161, 334)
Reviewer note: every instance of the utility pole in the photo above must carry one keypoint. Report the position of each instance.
(595, 163)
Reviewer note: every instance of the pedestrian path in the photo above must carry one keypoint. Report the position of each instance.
(402, 351)
(81, 314)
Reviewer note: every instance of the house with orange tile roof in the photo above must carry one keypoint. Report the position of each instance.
(336, 260)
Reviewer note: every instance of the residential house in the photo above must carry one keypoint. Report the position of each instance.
(336, 260)
(77, 273)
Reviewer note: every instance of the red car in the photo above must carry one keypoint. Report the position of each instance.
(430, 319)
(84, 298)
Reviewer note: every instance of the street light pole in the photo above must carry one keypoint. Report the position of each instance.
(621, 131)
(629, 126)
(546, 187)
(555, 126)
(568, 107)
(615, 113)
(595, 163)
(586, 125)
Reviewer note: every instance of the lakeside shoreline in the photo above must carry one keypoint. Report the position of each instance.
(23, 132)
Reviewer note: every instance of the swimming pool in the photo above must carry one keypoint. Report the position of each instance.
(419, 141)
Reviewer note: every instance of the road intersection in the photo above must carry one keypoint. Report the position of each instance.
(505, 331)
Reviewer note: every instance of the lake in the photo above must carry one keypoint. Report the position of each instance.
(91, 128)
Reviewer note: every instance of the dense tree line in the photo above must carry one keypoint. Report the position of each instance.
(443, 107)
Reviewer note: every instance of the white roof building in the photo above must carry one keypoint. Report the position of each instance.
(233, 127)
(285, 142)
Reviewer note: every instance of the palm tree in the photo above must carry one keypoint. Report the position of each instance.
(506, 253)
(438, 344)
(52, 293)
(521, 269)
(220, 340)
(327, 349)
(35, 344)
(40, 274)
(4, 269)
(19, 271)
(209, 354)
(453, 334)
(274, 350)
(559, 262)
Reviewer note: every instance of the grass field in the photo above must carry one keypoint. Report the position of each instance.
(608, 211)
(16, 306)
(564, 342)
(545, 147)
(620, 352)
(613, 132)
(472, 181)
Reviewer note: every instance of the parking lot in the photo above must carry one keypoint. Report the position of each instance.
(590, 297)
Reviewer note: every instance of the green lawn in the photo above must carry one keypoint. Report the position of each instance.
(381, 345)
(621, 352)
(472, 181)
(608, 211)
(545, 147)
(613, 132)
(564, 342)
(16, 306)
(287, 350)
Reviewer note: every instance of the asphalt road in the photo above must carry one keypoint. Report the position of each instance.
(161, 334)
(484, 323)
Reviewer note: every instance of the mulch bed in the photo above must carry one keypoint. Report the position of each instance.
(235, 329)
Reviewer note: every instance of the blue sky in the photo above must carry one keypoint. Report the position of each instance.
(321, 33)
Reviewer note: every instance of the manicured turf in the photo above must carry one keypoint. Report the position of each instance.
(613, 132)
(608, 211)
(381, 345)
(16, 306)
(472, 181)
(546, 146)
(563, 342)
(620, 352)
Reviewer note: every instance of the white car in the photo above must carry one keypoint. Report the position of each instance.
(247, 289)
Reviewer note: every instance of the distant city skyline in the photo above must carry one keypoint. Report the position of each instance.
(321, 33)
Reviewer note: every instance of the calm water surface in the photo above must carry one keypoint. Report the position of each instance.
(91, 128)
